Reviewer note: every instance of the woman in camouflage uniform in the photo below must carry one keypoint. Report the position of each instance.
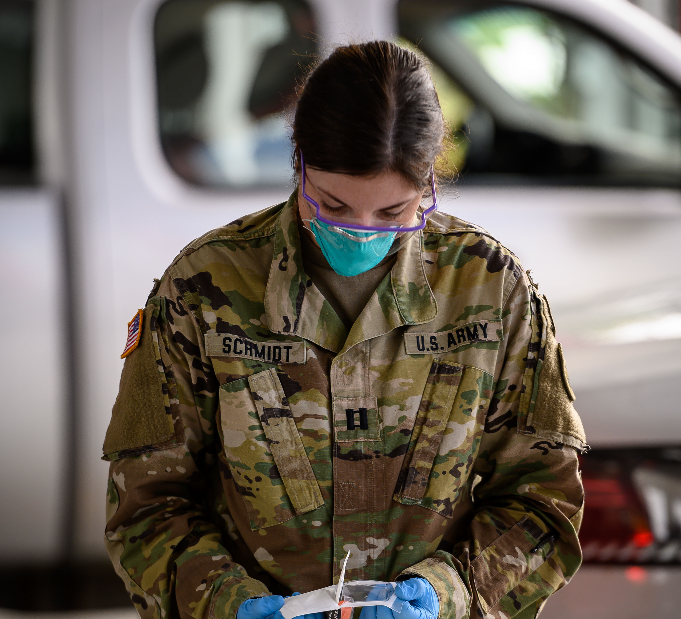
(347, 371)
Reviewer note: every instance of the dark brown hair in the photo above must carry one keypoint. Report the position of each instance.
(369, 108)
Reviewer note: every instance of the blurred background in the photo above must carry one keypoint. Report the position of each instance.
(130, 127)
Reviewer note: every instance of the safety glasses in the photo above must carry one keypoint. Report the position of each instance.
(382, 227)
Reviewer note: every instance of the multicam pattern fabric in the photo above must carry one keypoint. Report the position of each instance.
(444, 463)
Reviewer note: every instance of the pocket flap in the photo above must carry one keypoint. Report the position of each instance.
(286, 445)
(429, 427)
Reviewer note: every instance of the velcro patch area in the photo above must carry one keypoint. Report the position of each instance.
(446, 341)
(229, 345)
(140, 418)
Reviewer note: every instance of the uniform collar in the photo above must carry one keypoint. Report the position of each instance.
(294, 306)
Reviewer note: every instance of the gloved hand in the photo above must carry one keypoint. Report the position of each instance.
(420, 602)
(310, 615)
(261, 608)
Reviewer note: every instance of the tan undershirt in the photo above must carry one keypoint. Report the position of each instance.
(347, 295)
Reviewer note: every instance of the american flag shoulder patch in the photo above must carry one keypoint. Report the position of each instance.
(134, 333)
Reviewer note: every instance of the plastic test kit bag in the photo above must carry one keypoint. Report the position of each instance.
(352, 595)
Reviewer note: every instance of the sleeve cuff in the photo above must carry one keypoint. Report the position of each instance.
(232, 594)
(453, 596)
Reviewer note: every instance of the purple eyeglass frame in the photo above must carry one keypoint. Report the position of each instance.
(337, 224)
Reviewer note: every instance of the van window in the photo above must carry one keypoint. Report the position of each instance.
(552, 98)
(226, 74)
(16, 71)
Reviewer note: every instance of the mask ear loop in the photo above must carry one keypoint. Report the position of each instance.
(307, 198)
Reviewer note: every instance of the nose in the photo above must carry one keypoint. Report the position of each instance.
(367, 219)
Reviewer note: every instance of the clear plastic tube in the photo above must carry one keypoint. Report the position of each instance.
(353, 594)
(365, 591)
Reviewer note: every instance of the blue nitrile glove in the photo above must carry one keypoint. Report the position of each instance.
(261, 608)
(421, 597)
(420, 602)
(310, 615)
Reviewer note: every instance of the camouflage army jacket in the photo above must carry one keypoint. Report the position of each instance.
(255, 440)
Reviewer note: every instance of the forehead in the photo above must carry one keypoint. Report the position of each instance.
(373, 192)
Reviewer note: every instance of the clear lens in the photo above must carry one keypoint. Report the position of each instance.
(356, 236)
(337, 216)
(354, 227)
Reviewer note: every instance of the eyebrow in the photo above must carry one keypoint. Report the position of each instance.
(385, 208)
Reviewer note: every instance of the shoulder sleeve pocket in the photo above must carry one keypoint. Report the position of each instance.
(141, 414)
(546, 409)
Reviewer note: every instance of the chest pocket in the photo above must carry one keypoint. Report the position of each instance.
(445, 437)
(265, 452)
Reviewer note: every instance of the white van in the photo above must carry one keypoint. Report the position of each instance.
(130, 127)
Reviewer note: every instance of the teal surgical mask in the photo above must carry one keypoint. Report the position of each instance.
(351, 252)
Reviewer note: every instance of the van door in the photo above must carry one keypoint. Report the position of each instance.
(33, 302)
